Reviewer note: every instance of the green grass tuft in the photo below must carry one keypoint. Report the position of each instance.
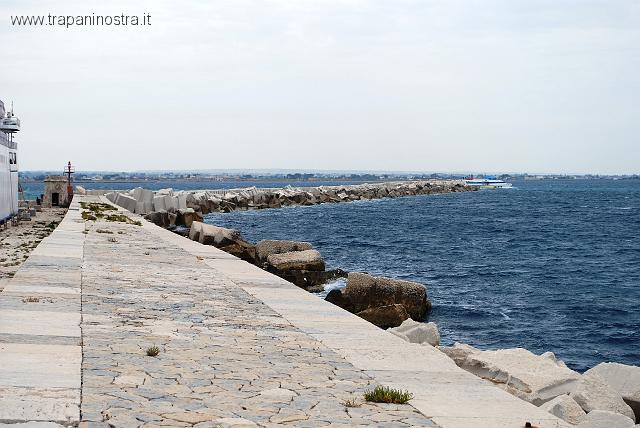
(122, 219)
(97, 207)
(86, 215)
(383, 394)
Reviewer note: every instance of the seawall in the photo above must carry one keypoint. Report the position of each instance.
(235, 342)
(143, 201)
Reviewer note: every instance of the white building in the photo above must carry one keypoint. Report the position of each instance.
(9, 125)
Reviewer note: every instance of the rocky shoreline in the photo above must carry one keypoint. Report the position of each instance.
(143, 202)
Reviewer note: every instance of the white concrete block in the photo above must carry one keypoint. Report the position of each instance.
(158, 203)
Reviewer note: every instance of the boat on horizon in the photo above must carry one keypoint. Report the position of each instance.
(487, 183)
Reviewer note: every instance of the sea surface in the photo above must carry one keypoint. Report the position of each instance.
(547, 266)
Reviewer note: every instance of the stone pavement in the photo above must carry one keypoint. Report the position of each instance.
(40, 352)
(237, 345)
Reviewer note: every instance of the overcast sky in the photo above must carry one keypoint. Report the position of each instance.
(450, 85)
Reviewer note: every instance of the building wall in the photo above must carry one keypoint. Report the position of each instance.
(8, 179)
(55, 185)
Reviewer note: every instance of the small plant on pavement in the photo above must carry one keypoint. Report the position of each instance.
(383, 394)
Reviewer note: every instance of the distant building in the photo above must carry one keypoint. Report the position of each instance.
(55, 192)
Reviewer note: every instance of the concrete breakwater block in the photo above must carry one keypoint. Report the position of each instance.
(259, 198)
(142, 195)
(566, 409)
(604, 419)
(195, 230)
(418, 332)
(299, 260)
(159, 204)
(267, 247)
(111, 196)
(144, 207)
(624, 379)
(126, 202)
(214, 235)
(594, 393)
(182, 201)
(170, 202)
(533, 378)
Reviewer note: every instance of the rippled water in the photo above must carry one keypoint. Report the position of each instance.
(549, 266)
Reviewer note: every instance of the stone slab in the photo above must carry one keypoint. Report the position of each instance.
(45, 366)
(39, 404)
(40, 323)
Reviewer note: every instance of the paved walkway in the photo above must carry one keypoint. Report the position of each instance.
(237, 345)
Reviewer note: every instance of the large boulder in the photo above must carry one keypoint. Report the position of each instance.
(310, 280)
(368, 291)
(241, 249)
(593, 393)
(418, 332)
(604, 419)
(565, 408)
(267, 247)
(337, 297)
(623, 379)
(365, 293)
(385, 316)
(534, 378)
(297, 260)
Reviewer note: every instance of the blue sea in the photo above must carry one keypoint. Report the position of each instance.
(548, 265)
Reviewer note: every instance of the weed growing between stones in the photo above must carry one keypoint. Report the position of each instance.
(96, 207)
(122, 219)
(153, 351)
(86, 216)
(352, 402)
(52, 225)
(383, 394)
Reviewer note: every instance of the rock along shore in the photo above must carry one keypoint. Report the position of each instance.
(142, 201)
